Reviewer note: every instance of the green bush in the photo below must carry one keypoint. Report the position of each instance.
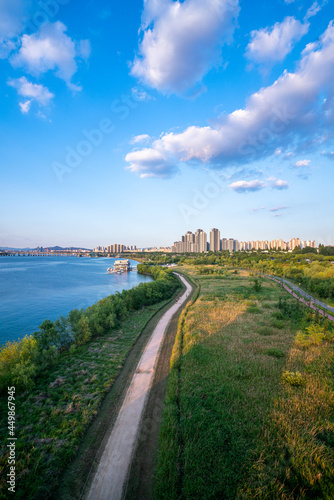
(275, 352)
(277, 315)
(83, 333)
(313, 335)
(294, 378)
(257, 285)
(277, 324)
(254, 310)
(18, 363)
(264, 330)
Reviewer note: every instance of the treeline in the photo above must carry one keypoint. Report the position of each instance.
(326, 250)
(21, 362)
(321, 287)
(314, 272)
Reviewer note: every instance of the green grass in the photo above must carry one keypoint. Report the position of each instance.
(294, 457)
(53, 417)
(227, 400)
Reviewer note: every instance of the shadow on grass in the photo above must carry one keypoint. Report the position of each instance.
(222, 387)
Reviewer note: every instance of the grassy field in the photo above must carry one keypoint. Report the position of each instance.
(52, 418)
(249, 411)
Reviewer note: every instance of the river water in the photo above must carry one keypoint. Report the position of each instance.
(33, 289)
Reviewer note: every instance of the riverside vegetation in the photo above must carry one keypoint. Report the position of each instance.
(313, 272)
(249, 410)
(61, 374)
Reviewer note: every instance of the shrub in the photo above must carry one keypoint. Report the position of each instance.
(294, 378)
(277, 324)
(18, 363)
(264, 330)
(277, 315)
(275, 352)
(254, 310)
(83, 333)
(313, 335)
(257, 285)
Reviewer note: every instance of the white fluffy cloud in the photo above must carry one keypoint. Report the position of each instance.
(245, 186)
(256, 185)
(182, 41)
(150, 163)
(51, 49)
(31, 92)
(25, 106)
(271, 45)
(290, 111)
(280, 184)
(302, 163)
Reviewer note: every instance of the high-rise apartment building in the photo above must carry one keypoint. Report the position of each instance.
(224, 244)
(230, 245)
(201, 241)
(294, 242)
(214, 240)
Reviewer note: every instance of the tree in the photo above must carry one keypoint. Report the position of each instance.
(257, 285)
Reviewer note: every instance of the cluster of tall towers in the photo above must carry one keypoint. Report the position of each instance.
(190, 242)
(198, 243)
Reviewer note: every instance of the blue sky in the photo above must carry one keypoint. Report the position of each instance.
(135, 122)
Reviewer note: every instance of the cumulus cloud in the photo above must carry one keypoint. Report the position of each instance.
(51, 49)
(271, 45)
(302, 163)
(32, 92)
(182, 41)
(149, 162)
(290, 112)
(246, 186)
(280, 184)
(256, 185)
(25, 106)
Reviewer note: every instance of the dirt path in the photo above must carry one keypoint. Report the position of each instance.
(111, 475)
(141, 479)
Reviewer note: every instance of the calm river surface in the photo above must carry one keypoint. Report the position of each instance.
(33, 289)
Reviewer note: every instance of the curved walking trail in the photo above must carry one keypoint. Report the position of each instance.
(111, 475)
(311, 300)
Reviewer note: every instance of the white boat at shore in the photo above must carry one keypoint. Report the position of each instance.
(120, 266)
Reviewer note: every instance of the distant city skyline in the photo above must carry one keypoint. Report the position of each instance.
(197, 242)
(108, 136)
(191, 243)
